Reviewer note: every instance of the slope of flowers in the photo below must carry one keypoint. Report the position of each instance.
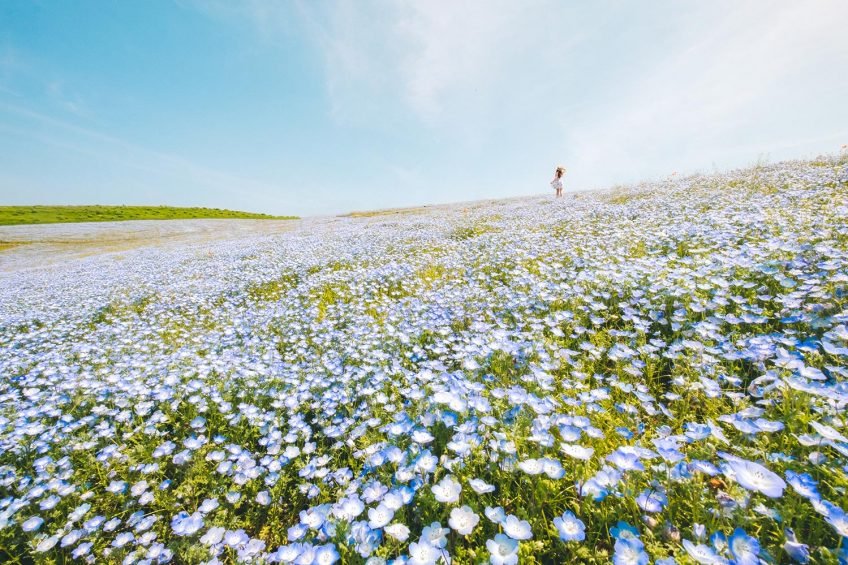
(653, 374)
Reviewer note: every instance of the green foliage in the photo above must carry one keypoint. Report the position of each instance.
(16, 215)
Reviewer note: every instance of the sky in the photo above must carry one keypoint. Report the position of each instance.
(328, 106)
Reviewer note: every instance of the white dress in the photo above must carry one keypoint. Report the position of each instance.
(557, 183)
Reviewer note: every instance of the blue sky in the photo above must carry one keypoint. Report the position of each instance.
(327, 106)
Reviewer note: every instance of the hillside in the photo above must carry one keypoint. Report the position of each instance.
(655, 374)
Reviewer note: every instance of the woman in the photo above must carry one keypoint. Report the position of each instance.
(557, 182)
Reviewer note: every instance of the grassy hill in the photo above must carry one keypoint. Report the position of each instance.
(15, 215)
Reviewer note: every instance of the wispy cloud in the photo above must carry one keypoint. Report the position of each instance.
(434, 58)
(732, 76)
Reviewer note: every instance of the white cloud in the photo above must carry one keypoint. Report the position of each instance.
(736, 74)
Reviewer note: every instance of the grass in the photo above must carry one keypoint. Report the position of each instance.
(18, 215)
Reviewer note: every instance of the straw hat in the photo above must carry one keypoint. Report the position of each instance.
(561, 168)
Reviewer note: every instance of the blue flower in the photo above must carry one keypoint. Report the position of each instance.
(755, 477)
(703, 554)
(570, 527)
(744, 547)
(623, 530)
(652, 500)
(803, 484)
(629, 551)
(798, 552)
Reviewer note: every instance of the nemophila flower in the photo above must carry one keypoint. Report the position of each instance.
(577, 451)
(326, 554)
(828, 432)
(652, 500)
(481, 487)
(516, 528)
(745, 549)
(496, 514)
(703, 554)
(435, 535)
(422, 437)
(704, 467)
(798, 552)
(297, 531)
(313, 518)
(552, 468)
(463, 520)
(112, 524)
(349, 508)
(625, 461)
(208, 505)
(123, 539)
(570, 528)
(629, 551)
(380, 516)
(374, 492)
(32, 524)
(423, 553)
(213, 536)
(235, 538)
(836, 517)
(755, 477)
(185, 524)
(263, 498)
(531, 466)
(503, 550)
(398, 531)
(803, 484)
(447, 490)
(46, 544)
(623, 530)
(82, 550)
(117, 487)
(71, 538)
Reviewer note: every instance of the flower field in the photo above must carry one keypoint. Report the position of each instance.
(655, 374)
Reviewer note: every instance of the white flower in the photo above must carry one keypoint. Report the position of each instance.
(422, 553)
(213, 536)
(577, 451)
(503, 550)
(754, 476)
(480, 486)
(703, 554)
(447, 490)
(32, 524)
(435, 535)
(828, 432)
(463, 520)
(398, 531)
(552, 468)
(47, 544)
(422, 437)
(263, 498)
(517, 529)
(208, 505)
(123, 539)
(532, 466)
(349, 508)
(380, 516)
(496, 514)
